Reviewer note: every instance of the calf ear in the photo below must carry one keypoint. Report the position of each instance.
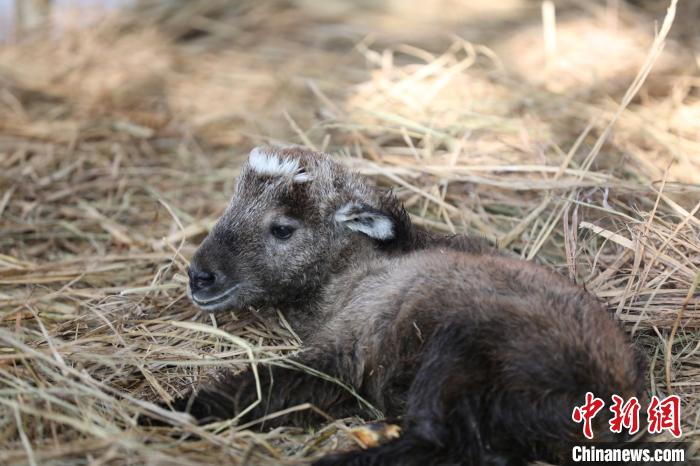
(365, 219)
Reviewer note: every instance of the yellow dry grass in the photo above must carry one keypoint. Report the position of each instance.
(119, 146)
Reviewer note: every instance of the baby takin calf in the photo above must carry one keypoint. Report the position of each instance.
(483, 357)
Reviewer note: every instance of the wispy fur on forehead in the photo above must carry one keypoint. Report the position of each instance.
(267, 163)
(310, 181)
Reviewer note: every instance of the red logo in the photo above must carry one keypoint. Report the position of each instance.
(661, 415)
(624, 415)
(587, 412)
(665, 415)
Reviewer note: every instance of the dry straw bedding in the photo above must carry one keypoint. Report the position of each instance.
(119, 148)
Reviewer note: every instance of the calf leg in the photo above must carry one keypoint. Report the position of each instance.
(441, 420)
(280, 388)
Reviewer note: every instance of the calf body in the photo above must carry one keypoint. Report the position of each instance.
(481, 356)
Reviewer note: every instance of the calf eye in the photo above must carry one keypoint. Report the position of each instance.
(281, 231)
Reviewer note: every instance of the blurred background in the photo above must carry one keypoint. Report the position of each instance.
(566, 131)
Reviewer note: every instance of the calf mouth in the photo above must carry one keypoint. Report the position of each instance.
(217, 302)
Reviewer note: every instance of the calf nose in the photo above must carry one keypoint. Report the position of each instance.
(200, 279)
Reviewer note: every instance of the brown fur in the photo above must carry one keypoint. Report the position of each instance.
(482, 356)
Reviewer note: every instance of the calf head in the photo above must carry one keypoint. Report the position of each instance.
(296, 219)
